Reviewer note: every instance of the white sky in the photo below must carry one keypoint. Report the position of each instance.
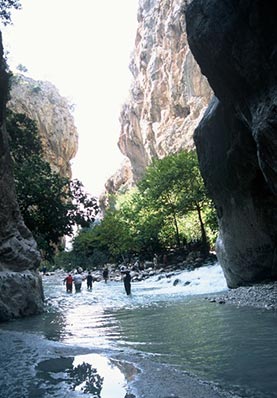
(83, 47)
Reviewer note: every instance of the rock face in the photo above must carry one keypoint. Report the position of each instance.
(121, 181)
(41, 102)
(234, 43)
(168, 96)
(18, 250)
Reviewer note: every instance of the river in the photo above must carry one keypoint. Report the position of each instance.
(91, 344)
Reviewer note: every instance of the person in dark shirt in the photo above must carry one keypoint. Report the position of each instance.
(126, 279)
(89, 281)
(105, 274)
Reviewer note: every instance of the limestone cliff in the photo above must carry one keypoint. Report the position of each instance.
(169, 94)
(20, 284)
(41, 101)
(235, 45)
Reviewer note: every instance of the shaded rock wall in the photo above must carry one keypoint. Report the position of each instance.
(41, 102)
(234, 43)
(18, 250)
(168, 95)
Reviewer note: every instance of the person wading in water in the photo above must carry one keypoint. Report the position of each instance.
(89, 281)
(126, 279)
(105, 274)
(68, 281)
(77, 282)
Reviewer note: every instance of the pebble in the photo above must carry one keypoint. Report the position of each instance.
(263, 295)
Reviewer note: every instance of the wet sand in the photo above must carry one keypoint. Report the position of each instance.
(154, 380)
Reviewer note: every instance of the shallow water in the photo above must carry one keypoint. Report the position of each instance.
(61, 353)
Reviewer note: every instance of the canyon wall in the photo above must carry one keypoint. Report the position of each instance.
(21, 292)
(234, 43)
(42, 102)
(168, 95)
(20, 284)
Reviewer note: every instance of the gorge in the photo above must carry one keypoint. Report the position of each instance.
(234, 44)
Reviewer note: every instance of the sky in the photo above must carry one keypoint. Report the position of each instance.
(83, 47)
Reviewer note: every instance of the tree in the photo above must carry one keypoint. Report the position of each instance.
(169, 204)
(51, 205)
(143, 221)
(174, 187)
(5, 7)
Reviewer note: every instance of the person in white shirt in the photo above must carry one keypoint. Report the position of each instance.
(77, 282)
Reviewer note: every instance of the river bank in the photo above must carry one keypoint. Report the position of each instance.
(157, 380)
(262, 296)
(49, 369)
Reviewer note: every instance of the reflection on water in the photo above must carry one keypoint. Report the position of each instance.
(86, 379)
(111, 384)
(86, 374)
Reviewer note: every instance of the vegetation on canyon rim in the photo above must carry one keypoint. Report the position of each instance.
(5, 7)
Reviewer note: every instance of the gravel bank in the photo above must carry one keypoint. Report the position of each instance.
(262, 296)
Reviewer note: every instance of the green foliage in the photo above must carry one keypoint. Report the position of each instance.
(175, 187)
(5, 10)
(70, 260)
(167, 210)
(50, 205)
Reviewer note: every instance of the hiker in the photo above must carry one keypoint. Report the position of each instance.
(126, 279)
(68, 281)
(77, 282)
(105, 274)
(155, 260)
(136, 265)
(89, 281)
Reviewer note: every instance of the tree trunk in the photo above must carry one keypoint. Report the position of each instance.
(205, 247)
(176, 230)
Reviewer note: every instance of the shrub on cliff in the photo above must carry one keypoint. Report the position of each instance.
(5, 7)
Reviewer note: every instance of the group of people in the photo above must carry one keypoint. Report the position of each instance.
(77, 280)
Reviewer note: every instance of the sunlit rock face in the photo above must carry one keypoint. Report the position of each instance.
(41, 102)
(235, 46)
(168, 95)
(18, 250)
